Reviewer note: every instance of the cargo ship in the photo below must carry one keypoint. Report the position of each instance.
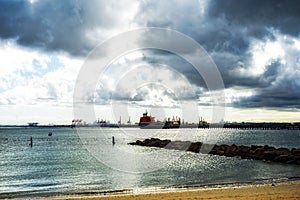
(148, 122)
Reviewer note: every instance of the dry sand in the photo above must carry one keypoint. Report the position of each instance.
(286, 190)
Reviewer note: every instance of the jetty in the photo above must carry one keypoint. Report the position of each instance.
(261, 125)
(255, 152)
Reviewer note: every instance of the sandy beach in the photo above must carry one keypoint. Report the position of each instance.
(286, 190)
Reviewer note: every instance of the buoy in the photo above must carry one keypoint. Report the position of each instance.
(50, 134)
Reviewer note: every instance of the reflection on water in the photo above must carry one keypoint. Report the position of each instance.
(71, 161)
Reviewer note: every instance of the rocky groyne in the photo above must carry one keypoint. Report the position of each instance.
(267, 153)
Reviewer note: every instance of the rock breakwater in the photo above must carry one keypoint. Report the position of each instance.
(255, 152)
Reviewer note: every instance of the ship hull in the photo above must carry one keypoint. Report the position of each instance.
(151, 125)
(158, 126)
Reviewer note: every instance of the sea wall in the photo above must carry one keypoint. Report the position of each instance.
(266, 153)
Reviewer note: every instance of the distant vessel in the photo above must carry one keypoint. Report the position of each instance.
(102, 123)
(148, 122)
(33, 124)
(174, 123)
(203, 123)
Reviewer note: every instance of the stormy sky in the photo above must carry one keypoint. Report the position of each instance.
(255, 45)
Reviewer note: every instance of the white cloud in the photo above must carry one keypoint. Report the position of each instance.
(264, 52)
(23, 83)
(15, 58)
(232, 95)
(132, 79)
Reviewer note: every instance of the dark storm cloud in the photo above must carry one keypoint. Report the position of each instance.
(275, 91)
(176, 63)
(225, 26)
(238, 22)
(282, 98)
(259, 16)
(214, 33)
(227, 30)
(55, 25)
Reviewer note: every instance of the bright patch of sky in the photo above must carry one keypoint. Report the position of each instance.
(30, 77)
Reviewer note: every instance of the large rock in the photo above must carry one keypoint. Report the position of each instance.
(270, 155)
(243, 149)
(295, 152)
(254, 147)
(195, 147)
(258, 153)
(217, 150)
(283, 151)
(230, 151)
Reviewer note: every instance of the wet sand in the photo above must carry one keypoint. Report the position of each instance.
(286, 190)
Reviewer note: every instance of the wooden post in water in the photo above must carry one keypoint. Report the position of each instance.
(30, 143)
(113, 140)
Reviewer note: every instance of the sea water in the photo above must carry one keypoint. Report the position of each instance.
(84, 160)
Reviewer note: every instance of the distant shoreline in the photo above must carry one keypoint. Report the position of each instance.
(246, 125)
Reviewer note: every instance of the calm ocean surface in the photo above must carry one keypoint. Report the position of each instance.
(83, 160)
